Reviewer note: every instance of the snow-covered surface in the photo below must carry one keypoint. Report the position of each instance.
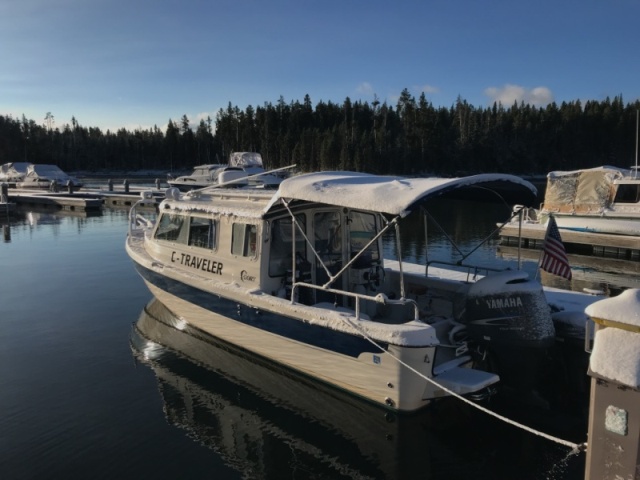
(567, 300)
(47, 172)
(625, 308)
(245, 159)
(616, 352)
(616, 356)
(13, 171)
(392, 195)
(249, 203)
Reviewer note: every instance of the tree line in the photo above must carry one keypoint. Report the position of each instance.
(411, 137)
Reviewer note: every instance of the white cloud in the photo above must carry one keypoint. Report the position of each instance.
(365, 88)
(427, 89)
(508, 94)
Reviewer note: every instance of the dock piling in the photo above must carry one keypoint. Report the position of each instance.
(614, 412)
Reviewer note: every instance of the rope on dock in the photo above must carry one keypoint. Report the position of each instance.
(576, 447)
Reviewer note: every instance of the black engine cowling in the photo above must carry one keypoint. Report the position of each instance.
(508, 309)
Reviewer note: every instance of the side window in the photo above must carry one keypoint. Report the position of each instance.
(627, 194)
(202, 232)
(171, 227)
(363, 229)
(281, 238)
(244, 239)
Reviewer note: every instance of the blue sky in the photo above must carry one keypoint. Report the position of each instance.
(139, 63)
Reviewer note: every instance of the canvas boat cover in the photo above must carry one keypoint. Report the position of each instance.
(245, 159)
(398, 195)
(581, 191)
(46, 171)
(14, 170)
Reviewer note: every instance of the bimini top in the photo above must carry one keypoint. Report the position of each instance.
(399, 195)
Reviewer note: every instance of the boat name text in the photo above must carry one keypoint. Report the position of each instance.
(497, 303)
(196, 262)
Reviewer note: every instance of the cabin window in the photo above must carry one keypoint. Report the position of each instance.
(362, 228)
(244, 239)
(202, 232)
(627, 193)
(172, 227)
(281, 238)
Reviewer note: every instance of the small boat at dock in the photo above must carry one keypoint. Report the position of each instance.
(243, 167)
(299, 276)
(598, 200)
(13, 172)
(48, 177)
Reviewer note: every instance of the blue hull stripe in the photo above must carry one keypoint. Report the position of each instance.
(314, 335)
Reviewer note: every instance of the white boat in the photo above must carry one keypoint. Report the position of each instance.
(299, 277)
(598, 200)
(13, 172)
(241, 166)
(50, 177)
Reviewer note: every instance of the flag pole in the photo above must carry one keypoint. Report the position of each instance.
(542, 249)
(554, 255)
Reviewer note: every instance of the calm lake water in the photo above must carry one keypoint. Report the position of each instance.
(85, 394)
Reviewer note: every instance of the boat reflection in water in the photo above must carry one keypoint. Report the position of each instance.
(267, 422)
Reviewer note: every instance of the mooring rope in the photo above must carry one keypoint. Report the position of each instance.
(576, 447)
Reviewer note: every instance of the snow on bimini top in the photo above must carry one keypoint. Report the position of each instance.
(616, 351)
(393, 195)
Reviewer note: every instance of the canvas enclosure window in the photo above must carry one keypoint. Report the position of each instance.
(172, 228)
(281, 245)
(362, 228)
(202, 232)
(244, 239)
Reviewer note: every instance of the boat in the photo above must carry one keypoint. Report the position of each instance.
(50, 177)
(299, 276)
(243, 168)
(597, 200)
(11, 173)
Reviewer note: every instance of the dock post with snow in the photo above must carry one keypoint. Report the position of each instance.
(614, 413)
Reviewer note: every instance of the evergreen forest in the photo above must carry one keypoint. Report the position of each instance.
(410, 138)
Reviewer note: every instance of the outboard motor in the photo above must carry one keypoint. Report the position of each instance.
(507, 316)
(508, 309)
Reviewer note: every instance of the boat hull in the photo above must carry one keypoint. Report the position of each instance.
(359, 375)
(599, 224)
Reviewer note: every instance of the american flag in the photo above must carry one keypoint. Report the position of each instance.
(554, 257)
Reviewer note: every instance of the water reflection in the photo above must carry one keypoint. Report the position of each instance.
(464, 222)
(468, 224)
(267, 422)
(609, 275)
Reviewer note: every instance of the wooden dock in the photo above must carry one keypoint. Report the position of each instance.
(87, 200)
(584, 243)
(63, 201)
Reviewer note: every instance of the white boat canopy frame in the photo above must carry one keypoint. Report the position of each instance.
(399, 196)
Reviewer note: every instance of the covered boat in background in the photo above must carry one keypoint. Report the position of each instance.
(299, 277)
(600, 200)
(13, 172)
(44, 176)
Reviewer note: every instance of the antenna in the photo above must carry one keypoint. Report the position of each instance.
(635, 174)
